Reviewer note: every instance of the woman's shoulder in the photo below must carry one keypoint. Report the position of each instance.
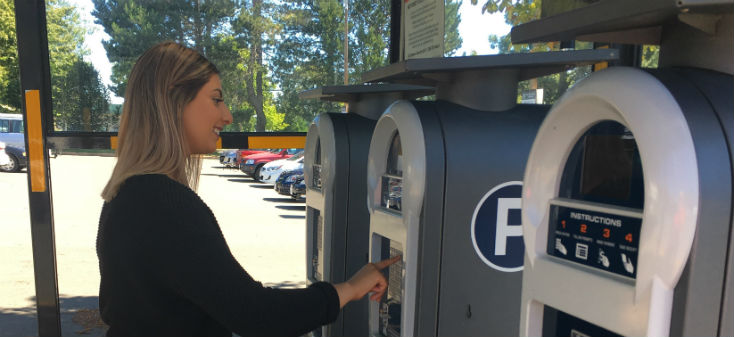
(157, 188)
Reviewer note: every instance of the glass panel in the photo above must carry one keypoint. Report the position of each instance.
(17, 303)
(392, 182)
(604, 166)
(296, 46)
(17, 126)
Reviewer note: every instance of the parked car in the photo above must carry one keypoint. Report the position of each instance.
(242, 153)
(254, 162)
(286, 179)
(270, 172)
(11, 130)
(4, 159)
(298, 188)
(17, 159)
(228, 158)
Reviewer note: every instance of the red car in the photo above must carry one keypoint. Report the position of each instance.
(252, 164)
(241, 154)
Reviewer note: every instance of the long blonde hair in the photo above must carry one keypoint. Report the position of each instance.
(151, 139)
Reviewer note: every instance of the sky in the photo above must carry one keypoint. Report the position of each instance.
(474, 29)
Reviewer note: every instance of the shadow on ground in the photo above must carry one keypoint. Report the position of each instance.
(286, 200)
(243, 180)
(288, 216)
(262, 186)
(291, 208)
(79, 317)
(224, 175)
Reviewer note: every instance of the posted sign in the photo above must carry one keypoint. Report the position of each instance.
(424, 28)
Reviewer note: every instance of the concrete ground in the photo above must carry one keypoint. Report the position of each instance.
(265, 231)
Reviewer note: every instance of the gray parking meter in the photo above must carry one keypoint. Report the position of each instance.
(627, 208)
(444, 184)
(335, 172)
(627, 203)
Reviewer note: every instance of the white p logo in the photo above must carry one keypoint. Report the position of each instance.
(504, 229)
(496, 231)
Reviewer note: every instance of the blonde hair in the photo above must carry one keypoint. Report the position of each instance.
(151, 139)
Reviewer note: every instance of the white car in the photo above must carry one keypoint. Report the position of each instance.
(272, 170)
(4, 159)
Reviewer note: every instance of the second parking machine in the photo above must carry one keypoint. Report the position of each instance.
(444, 182)
(627, 207)
(335, 172)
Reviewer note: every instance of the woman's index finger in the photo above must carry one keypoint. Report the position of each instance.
(385, 263)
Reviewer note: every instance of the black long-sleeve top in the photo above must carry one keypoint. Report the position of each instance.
(166, 270)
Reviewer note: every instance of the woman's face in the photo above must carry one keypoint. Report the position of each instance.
(204, 118)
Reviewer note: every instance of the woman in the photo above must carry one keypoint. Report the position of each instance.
(165, 266)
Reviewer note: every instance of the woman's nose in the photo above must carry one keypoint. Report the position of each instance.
(227, 116)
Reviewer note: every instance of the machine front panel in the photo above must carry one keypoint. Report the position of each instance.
(317, 258)
(482, 251)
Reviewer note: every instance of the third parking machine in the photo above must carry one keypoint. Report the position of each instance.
(627, 207)
(335, 172)
(444, 191)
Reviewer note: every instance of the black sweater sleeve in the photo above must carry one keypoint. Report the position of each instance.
(190, 255)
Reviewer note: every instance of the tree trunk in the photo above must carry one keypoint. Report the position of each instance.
(255, 69)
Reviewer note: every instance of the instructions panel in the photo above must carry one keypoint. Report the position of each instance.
(604, 241)
(424, 28)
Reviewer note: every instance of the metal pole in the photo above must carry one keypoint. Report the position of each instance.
(35, 81)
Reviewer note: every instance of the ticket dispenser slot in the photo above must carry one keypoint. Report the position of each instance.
(627, 208)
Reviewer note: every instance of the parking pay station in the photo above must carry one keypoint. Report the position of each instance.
(444, 184)
(627, 203)
(335, 171)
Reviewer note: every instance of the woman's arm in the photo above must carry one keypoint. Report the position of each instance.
(366, 280)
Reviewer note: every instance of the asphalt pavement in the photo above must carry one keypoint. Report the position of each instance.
(265, 232)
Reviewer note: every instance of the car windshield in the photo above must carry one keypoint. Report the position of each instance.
(296, 156)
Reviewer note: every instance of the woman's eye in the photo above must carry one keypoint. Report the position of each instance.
(217, 100)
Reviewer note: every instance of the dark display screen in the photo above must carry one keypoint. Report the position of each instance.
(559, 323)
(603, 241)
(390, 305)
(607, 167)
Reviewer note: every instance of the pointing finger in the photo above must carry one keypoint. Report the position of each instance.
(385, 263)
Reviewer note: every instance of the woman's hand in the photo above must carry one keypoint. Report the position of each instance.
(366, 280)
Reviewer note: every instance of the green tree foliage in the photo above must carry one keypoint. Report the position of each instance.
(650, 56)
(78, 96)
(452, 19)
(9, 81)
(135, 26)
(267, 51)
(309, 54)
(82, 100)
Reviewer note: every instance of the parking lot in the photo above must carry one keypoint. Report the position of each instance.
(265, 232)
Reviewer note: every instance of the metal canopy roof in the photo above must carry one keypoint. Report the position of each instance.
(352, 93)
(620, 21)
(430, 71)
